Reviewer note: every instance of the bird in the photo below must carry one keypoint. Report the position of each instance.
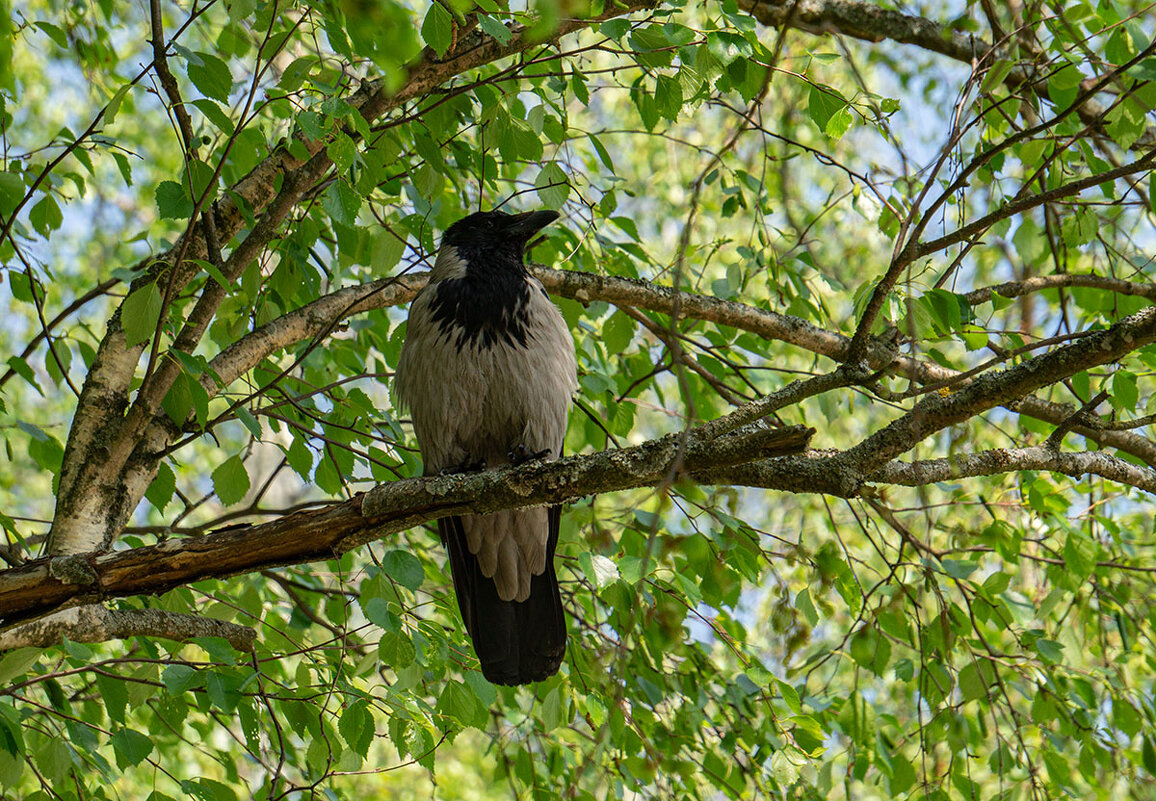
(487, 371)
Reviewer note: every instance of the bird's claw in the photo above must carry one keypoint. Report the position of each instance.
(521, 454)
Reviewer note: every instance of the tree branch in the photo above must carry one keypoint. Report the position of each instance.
(993, 462)
(94, 623)
(1028, 202)
(1014, 289)
(871, 23)
(312, 319)
(44, 585)
(1005, 386)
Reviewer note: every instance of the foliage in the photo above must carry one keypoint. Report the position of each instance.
(166, 208)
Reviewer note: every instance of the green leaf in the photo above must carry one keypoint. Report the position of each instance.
(342, 151)
(21, 368)
(231, 481)
(249, 420)
(55, 33)
(1050, 650)
(341, 202)
(54, 759)
(839, 123)
(458, 702)
(357, 727)
(46, 216)
(199, 180)
(614, 28)
(495, 28)
(396, 650)
(47, 453)
(387, 251)
(11, 765)
(618, 333)
(1079, 555)
(604, 154)
(871, 650)
(211, 76)
(647, 107)
(179, 678)
(300, 457)
(996, 75)
(131, 747)
(1125, 393)
(178, 401)
(552, 185)
(11, 192)
(211, 790)
(805, 606)
(438, 28)
(958, 568)
(823, 104)
(113, 107)
(972, 682)
(783, 770)
(140, 313)
(172, 202)
(114, 693)
(599, 570)
(404, 568)
(728, 47)
(217, 276)
(668, 97)
(17, 662)
(216, 115)
(161, 490)
(1148, 756)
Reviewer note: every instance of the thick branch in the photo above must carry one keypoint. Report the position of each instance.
(94, 623)
(738, 457)
(44, 585)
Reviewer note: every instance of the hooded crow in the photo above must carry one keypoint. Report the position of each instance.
(487, 371)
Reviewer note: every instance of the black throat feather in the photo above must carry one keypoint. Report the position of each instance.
(489, 304)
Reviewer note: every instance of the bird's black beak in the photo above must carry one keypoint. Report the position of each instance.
(524, 226)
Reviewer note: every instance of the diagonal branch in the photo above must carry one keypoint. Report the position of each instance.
(984, 392)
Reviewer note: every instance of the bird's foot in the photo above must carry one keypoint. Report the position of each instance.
(521, 454)
(467, 465)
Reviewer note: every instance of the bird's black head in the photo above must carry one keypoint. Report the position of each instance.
(480, 281)
(496, 234)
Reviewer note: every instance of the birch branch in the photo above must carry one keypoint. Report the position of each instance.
(310, 320)
(993, 462)
(94, 623)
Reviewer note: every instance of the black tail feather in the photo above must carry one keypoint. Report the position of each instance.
(517, 642)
